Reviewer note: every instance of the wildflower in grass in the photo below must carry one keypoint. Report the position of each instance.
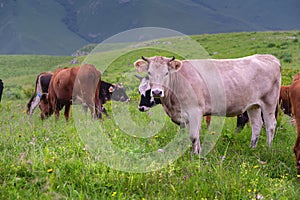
(160, 150)
(249, 190)
(184, 178)
(50, 170)
(32, 141)
(263, 162)
(156, 136)
(298, 176)
(256, 166)
(114, 194)
(212, 132)
(117, 129)
(259, 196)
(223, 158)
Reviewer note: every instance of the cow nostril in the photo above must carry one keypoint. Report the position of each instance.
(141, 108)
(156, 93)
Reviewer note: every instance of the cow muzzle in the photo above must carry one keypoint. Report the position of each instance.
(143, 108)
(157, 93)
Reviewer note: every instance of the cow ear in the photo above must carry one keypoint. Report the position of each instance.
(175, 65)
(111, 89)
(141, 65)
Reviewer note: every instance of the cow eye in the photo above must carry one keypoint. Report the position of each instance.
(149, 73)
(167, 73)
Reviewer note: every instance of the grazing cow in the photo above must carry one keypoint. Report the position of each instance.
(189, 89)
(147, 101)
(294, 95)
(41, 87)
(108, 92)
(114, 92)
(1, 89)
(70, 85)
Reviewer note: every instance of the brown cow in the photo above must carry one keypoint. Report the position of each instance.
(284, 100)
(294, 93)
(69, 85)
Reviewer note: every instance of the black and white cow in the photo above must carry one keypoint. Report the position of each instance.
(114, 92)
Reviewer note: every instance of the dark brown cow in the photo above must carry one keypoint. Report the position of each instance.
(41, 87)
(1, 89)
(294, 94)
(76, 84)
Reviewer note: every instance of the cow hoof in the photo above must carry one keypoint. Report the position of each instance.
(253, 143)
(197, 150)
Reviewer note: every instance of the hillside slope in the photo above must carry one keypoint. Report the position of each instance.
(35, 27)
(60, 27)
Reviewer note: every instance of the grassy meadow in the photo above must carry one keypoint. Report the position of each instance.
(51, 160)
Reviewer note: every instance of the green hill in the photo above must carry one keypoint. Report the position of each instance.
(84, 159)
(59, 27)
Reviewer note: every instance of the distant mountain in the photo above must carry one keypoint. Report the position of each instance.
(59, 27)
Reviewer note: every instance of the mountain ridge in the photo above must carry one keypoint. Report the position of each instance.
(60, 27)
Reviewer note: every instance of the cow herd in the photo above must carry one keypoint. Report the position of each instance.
(67, 86)
(188, 90)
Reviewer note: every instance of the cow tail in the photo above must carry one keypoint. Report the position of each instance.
(98, 104)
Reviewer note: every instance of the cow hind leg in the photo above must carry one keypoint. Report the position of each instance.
(297, 144)
(270, 122)
(297, 153)
(67, 112)
(254, 115)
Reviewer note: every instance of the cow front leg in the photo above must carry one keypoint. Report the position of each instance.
(194, 127)
(256, 124)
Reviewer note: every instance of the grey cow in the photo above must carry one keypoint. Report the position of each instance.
(190, 89)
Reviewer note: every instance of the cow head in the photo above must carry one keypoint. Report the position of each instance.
(118, 93)
(45, 107)
(159, 69)
(147, 101)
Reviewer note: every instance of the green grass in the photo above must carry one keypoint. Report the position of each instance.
(56, 160)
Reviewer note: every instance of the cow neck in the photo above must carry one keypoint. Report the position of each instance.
(170, 90)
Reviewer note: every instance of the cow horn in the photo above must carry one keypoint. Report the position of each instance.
(171, 59)
(145, 59)
(139, 77)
